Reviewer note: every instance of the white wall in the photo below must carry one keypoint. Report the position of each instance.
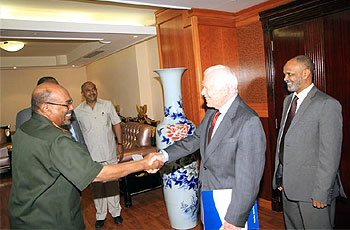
(17, 87)
(151, 88)
(125, 78)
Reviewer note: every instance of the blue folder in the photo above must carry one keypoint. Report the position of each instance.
(215, 203)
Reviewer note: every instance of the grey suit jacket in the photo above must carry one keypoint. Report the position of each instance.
(234, 159)
(312, 149)
(25, 114)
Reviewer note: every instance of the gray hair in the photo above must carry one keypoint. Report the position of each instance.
(229, 76)
(307, 62)
(40, 98)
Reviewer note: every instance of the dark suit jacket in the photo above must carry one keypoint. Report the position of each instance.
(25, 114)
(312, 149)
(234, 159)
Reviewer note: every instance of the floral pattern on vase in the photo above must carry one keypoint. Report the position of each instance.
(180, 186)
(178, 129)
(185, 178)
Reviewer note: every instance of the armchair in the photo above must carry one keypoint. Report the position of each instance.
(137, 140)
(5, 148)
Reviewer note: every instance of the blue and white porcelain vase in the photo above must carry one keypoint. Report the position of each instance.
(180, 186)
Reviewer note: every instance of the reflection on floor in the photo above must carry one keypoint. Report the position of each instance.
(148, 211)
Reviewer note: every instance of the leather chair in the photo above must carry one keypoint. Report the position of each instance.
(5, 148)
(138, 139)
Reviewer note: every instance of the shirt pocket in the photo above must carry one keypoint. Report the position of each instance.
(104, 119)
(85, 124)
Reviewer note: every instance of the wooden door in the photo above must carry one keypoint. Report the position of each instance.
(337, 65)
(321, 30)
(287, 43)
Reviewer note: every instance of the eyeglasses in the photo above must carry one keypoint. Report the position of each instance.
(67, 106)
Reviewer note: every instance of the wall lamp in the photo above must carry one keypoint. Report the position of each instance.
(11, 46)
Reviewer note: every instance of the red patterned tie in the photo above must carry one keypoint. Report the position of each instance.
(212, 125)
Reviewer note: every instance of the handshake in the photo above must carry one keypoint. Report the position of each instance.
(153, 161)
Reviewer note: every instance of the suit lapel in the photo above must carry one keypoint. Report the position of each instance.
(225, 125)
(284, 116)
(304, 105)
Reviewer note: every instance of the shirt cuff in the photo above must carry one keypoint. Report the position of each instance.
(166, 155)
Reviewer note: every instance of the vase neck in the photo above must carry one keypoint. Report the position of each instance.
(172, 90)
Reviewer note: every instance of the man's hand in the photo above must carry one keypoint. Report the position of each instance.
(153, 161)
(317, 204)
(280, 188)
(228, 226)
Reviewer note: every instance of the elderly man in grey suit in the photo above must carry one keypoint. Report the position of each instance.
(308, 150)
(72, 122)
(232, 151)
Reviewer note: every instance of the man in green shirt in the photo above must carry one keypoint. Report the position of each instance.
(50, 168)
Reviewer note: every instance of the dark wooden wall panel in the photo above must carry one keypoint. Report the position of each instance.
(337, 65)
(265, 184)
(321, 30)
(288, 42)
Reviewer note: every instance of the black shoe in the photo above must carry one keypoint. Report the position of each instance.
(118, 220)
(99, 223)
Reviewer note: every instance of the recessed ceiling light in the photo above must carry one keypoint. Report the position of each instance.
(135, 36)
(14, 67)
(11, 46)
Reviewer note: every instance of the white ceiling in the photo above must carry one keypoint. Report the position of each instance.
(77, 32)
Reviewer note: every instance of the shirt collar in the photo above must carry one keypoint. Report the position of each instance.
(223, 109)
(86, 104)
(301, 96)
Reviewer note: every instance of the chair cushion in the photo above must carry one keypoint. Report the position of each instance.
(137, 139)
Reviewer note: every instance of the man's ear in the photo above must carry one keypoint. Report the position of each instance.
(44, 108)
(306, 73)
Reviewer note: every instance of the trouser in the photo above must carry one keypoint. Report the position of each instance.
(302, 215)
(111, 203)
(106, 196)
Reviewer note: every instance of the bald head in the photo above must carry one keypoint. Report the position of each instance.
(52, 101)
(89, 92)
(298, 73)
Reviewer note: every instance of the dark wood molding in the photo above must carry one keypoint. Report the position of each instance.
(318, 29)
(299, 11)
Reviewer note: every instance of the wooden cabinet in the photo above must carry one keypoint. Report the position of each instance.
(195, 39)
(321, 30)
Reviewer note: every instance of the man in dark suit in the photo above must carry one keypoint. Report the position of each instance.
(308, 150)
(234, 157)
(71, 124)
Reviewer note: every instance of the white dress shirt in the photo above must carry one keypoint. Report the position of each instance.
(96, 126)
(223, 110)
(301, 96)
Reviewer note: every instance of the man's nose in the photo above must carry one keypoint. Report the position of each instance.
(70, 107)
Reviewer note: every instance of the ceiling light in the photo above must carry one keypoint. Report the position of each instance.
(11, 46)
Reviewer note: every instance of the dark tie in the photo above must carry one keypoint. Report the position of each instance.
(290, 117)
(291, 113)
(212, 125)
